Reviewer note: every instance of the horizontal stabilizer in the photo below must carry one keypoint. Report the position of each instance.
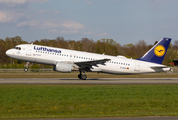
(163, 67)
(158, 66)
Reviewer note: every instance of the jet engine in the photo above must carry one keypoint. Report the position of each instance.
(62, 67)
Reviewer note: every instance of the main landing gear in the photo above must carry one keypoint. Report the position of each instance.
(82, 76)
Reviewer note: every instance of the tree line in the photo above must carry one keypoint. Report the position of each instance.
(106, 46)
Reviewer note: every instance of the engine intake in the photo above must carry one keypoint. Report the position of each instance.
(62, 67)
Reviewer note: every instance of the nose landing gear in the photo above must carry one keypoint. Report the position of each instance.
(26, 67)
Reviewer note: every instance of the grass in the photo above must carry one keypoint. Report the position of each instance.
(87, 101)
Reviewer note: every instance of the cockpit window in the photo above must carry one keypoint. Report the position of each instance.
(17, 48)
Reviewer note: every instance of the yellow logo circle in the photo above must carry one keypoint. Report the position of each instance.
(159, 50)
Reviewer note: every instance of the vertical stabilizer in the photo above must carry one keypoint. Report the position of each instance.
(157, 53)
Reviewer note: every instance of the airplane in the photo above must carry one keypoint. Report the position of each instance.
(65, 60)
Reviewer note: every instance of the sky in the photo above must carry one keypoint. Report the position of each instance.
(125, 21)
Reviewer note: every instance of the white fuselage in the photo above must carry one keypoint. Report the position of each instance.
(50, 55)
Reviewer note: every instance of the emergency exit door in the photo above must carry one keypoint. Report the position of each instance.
(137, 66)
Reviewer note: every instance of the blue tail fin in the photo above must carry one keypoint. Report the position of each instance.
(157, 53)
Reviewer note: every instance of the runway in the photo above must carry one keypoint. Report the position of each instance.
(89, 81)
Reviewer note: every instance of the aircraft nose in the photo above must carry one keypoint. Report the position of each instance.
(8, 52)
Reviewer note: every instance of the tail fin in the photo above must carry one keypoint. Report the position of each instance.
(157, 53)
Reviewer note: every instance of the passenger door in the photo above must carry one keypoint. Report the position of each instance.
(29, 50)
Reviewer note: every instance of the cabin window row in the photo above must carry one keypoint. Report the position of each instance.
(67, 55)
(118, 63)
(83, 58)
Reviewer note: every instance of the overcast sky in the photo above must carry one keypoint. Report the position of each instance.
(125, 21)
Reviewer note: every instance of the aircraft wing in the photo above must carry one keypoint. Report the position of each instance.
(84, 64)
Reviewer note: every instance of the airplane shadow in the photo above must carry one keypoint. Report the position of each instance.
(80, 79)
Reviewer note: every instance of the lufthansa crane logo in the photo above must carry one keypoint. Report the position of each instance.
(159, 50)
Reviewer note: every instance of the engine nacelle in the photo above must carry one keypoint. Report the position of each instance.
(63, 67)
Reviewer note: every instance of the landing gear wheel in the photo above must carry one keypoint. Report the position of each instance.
(83, 77)
(79, 76)
(26, 69)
